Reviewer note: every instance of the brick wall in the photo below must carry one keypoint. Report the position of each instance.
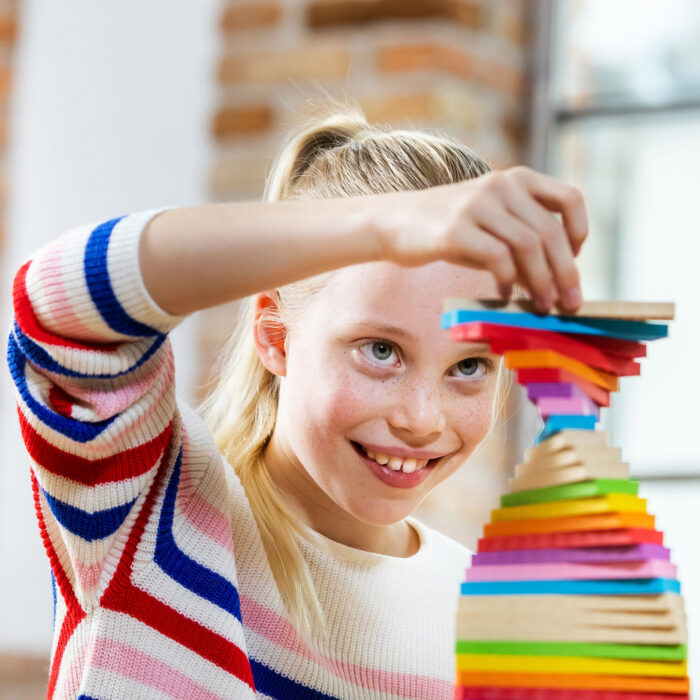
(8, 38)
(456, 65)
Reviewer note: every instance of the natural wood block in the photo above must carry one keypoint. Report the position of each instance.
(619, 310)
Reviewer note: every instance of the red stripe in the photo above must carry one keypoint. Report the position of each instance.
(61, 401)
(122, 465)
(28, 322)
(75, 612)
(122, 596)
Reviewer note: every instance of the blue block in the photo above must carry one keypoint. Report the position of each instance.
(634, 586)
(627, 330)
(556, 423)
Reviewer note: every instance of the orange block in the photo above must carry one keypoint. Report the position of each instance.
(529, 359)
(578, 523)
(563, 680)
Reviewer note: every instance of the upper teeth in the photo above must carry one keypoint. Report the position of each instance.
(396, 463)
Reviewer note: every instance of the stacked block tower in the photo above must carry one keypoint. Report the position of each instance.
(571, 594)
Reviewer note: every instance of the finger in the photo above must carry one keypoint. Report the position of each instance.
(563, 198)
(481, 250)
(556, 244)
(527, 251)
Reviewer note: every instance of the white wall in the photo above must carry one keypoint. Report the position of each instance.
(110, 114)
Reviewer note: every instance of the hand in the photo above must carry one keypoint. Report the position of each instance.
(502, 222)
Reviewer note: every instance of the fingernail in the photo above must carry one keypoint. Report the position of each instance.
(543, 303)
(573, 298)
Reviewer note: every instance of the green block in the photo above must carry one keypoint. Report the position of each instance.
(609, 651)
(581, 489)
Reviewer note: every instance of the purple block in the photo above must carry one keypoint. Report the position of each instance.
(638, 552)
(566, 390)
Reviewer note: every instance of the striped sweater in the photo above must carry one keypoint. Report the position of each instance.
(161, 585)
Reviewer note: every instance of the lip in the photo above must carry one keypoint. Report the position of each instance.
(402, 452)
(393, 478)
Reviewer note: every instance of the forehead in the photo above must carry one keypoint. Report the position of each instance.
(409, 297)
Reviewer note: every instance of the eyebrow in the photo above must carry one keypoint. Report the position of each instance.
(402, 333)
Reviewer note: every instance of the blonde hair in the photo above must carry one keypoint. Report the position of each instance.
(337, 154)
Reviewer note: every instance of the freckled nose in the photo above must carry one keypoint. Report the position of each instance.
(419, 410)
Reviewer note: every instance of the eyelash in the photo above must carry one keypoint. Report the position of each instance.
(486, 363)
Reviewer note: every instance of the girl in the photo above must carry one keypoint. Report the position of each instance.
(266, 548)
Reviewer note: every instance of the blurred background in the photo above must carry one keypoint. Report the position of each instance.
(108, 108)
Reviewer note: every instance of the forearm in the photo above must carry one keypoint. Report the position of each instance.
(196, 257)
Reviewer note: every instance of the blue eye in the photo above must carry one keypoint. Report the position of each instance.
(380, 350)
(473, 367)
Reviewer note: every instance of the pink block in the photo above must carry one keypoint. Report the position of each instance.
(574, 406)
(652, 568)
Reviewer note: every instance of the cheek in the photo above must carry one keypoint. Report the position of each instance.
(325, 396)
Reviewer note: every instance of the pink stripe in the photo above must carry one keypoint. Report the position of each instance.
(210, 521)
(136, 665)
(88, 575)
(51, 275)
(279, 631)
(108, 402)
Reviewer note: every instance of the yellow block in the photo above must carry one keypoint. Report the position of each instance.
(529, 359)
(609, 503)
(516, 663)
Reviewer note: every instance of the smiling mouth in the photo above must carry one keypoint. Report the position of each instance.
(407, 466)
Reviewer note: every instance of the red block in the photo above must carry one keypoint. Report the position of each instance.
(502, 693)
(598, 394)
(594, 538)
(502, 338)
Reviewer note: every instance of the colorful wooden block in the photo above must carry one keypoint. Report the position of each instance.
(558, 571)
(630, 587)
(570, 664)
(599, 555)
(564, 390)
(549, 406)
(568, 457)
(640, 652)
(613, 630)
(548, 359)
(569, 439)
(627, 330)
(598, 394)
(569, 475)
(655, 610)
(607, 503)
(554, 424)
(576, 523)
(582, 489)
(503, 338)
(472, 692)
(591, 538)
(565, 681)
(615, 310)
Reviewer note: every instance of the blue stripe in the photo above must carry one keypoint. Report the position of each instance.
(86, 697)
(89, 526)
(38, 356)
(53, 592)
(280, 687)
(629, 330)
(632, 586)
(100, 286)
(75, 430)
(186, 571)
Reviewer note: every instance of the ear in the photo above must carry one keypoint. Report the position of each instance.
(269, 334)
